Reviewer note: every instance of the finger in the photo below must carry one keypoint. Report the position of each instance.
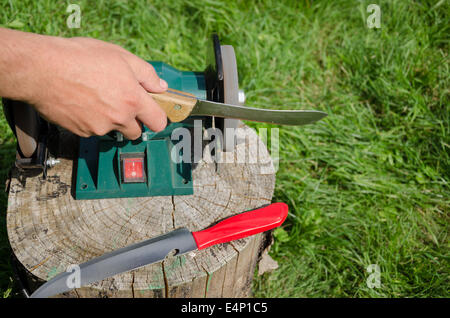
(150, 113)
(132, 130)
(145, 73)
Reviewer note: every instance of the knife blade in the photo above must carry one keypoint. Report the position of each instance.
(156, 249)
(179, 105)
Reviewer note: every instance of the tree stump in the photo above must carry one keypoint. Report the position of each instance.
(48, 230)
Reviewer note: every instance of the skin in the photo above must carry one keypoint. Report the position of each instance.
(87, 86)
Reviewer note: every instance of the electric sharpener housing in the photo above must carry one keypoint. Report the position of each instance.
(101, 160)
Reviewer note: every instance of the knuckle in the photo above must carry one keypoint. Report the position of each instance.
(151, 69)
(115, 46)
(84, 134)
(78, 38)
(118, 48)
(132, 134)
(100, 130)
(118, 118)
(161, 124)
(131, 101)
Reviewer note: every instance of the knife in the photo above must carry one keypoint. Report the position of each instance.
(156, 249)
(179, 105)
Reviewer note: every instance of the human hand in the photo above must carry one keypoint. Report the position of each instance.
(88, 86)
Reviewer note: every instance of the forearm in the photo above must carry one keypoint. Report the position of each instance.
(18, 55)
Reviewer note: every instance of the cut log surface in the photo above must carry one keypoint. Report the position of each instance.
(49, 230)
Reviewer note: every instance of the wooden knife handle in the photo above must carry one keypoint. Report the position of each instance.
(176, 104)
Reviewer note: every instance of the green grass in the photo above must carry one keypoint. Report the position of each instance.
(367, 185)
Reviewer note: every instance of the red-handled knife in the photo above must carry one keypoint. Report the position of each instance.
(156, 249)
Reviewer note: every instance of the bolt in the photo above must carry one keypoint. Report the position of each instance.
(241, 97)
(51, 162)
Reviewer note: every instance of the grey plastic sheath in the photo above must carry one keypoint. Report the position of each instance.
(122, 260)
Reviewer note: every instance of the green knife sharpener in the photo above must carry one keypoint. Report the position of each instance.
(102, 161)
(112, 167)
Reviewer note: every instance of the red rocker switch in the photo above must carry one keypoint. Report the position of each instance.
(133, 167)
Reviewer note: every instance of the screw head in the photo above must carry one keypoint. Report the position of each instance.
(241, 97)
